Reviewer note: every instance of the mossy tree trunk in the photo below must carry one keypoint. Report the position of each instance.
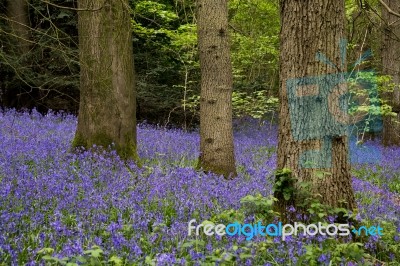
(391, 66)
(107, 89)
(17, 12)
(310, 27)
(216, 134)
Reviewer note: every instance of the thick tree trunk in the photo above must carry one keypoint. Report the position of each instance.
(17, 12)
(312, 134)
(391, 66)
(216, 134)
(107, 102)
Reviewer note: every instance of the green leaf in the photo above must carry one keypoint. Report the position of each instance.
(81, 259)
(116, 260)
(286, 196)
(245, 256)
(149, 261)
(95, 253)
(47, 257)
(46, 251)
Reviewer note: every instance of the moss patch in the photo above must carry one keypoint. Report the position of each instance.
(78, 141)
(126, 152)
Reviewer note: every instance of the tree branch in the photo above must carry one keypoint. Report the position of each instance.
(235, 29)
(389, 9)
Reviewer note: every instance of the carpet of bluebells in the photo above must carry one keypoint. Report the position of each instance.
(82, 207)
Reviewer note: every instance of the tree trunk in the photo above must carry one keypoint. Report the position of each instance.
(216, 133)
(312, 127)
(17, 12)
(107, 110)
(391, 66)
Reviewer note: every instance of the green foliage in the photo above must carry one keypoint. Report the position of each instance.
(285, 184)
(165, 39)
(256, 105)
(302, 197)
(169, 79)
(90, 257)
(220, 255)
(255, 29)
(184, 39)
(352, 252)
(166, 59)
(366, 104)
(159, 12)
(228, 216)
(261, 206)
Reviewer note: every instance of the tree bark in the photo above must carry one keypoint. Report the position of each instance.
(391, 66)
(107, 110)
(216, 133)
(310, 27)
(17, 12)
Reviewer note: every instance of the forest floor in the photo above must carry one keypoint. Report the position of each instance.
(90, 207)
